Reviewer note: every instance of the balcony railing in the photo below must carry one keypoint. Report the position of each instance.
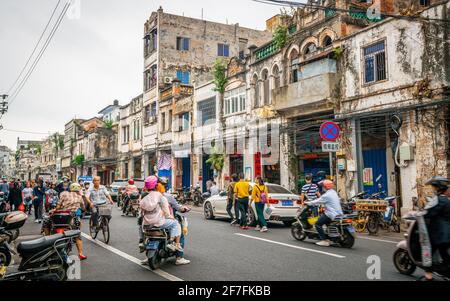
(266, 51)
(177, 90)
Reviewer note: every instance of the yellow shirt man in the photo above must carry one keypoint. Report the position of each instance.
(242, 189)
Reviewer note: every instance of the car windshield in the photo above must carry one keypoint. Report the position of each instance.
(119, 184)
(277, 189)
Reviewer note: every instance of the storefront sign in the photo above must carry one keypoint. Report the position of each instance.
(257, 164)
(310, 156)
(330, 147)
(368, 177)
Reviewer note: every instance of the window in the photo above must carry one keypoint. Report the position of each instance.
(125, 134)
(310, 49)
(374, 63)
(183, 43)
(206, 110)
(150, 77)
(235, 101)
(327, 41)
(163, 122)
(147, 114)
(424, 2)
(137, 130)
(153, 109)
(223, 50)
(183, 121)
(242, 47)
(170, 120)
(150, 42)
(183, 76)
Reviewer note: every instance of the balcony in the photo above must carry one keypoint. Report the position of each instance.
(315, 85)
(177, 90)
(266, 51)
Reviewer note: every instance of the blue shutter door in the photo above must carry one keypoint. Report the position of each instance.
(185, 44)
(376, 159)
(186, 178)
(180, 75)
(226, 50)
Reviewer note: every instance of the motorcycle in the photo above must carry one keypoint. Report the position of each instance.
(44, 258)
(413, 251)
(133, 204)
(156, 242)
(4, 204)
(11, 222)
(339, 231)
(197, 196)
(60, 221)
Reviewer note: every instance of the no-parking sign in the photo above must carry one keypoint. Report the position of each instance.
(330, 131)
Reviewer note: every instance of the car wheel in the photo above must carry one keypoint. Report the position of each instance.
(251, 218)
(208, 210)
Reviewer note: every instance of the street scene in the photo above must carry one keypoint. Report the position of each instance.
(160, 141)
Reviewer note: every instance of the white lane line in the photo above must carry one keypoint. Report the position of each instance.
(291, 246)
(161, 273)
(381, 240)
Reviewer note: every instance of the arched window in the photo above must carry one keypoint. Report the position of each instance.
(276, 77)
(256, 92)
(327, 41)
(310, 49)
(266, 88)
(293, 62)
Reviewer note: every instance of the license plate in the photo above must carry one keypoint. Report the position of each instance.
(153, 245)
(351, 229)
(287, 203)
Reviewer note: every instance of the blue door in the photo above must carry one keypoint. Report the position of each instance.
(376, 159)
(207, 171)
(186, 178)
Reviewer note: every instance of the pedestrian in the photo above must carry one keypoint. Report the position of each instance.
(231, 201)
(38, 201)
(209, 183)
(4, 187)
(260, 194)
(27, 194)
(242, 193)
(15, 197)
(214, 189)
(310, 192)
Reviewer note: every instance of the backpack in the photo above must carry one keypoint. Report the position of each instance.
(262, 196)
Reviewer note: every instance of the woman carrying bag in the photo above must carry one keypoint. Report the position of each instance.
(260, 195)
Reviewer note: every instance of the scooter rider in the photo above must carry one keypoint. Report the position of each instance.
(332, 209)
(175, 206)
(129, 189)
(438, 220)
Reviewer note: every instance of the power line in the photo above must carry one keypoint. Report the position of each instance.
(35, 47)
(285, 3)
(41, 53)
(25, 132)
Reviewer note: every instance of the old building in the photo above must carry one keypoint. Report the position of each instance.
(179, 53)
(129, 140)
(27, 158)
(71, 132)
(394, 105)
(111, 113)
(6, 162)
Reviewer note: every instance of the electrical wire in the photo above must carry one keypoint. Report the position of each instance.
(25, 132)
(284, 3)
(35, 47)
(41, 53)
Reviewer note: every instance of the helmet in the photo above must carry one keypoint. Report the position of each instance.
(327, 184)
(440, 182)
(163, 180)
(151, 182)
(75, 187)
(131, 181)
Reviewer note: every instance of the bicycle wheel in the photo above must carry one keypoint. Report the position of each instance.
(93, 231)
(105, 229)
(373, 223)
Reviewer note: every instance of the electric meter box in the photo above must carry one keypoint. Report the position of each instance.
(341, 164)
(406, 153)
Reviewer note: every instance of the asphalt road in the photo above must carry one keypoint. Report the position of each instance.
(219, 251)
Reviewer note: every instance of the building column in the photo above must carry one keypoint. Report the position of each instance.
(145, 168)
(285, 173)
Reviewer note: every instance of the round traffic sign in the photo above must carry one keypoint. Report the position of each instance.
(330, 131)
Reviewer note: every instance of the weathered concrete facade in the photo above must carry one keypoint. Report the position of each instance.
(414, 87)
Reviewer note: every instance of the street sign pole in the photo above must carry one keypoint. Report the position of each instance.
(331, 165)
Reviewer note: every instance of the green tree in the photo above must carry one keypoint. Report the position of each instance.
(109, 124)
(280, 36)
(78, 160)
(220, 76)
(216, 160)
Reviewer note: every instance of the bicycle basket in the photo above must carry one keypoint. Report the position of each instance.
(105, 210)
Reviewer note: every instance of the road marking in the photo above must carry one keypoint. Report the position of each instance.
(291, 246)
(159, 272)
(381, 240)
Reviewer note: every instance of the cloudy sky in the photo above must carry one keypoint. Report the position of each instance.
(91, 60)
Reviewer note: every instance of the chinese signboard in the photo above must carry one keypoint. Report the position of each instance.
(368, 177)
(330, 147)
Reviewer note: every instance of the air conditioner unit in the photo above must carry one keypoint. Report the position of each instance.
(168, 80)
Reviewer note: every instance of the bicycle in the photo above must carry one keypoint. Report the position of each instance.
(103, 216)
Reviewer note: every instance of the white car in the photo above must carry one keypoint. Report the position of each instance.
(282, 206)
